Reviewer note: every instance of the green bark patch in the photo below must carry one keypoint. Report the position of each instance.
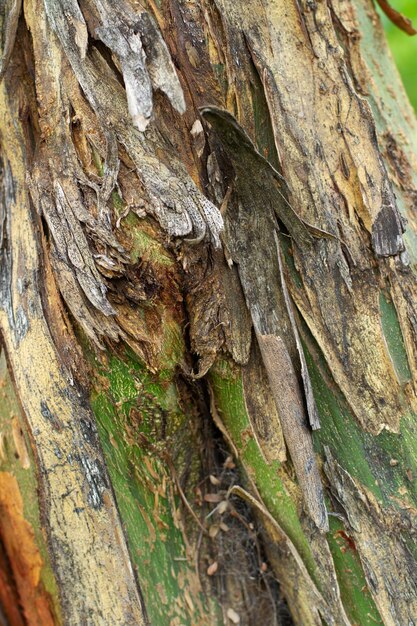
(139, 420)
(227, 386)
(144, 245)
(394, 338)
(379, 463)
(358, 603)
(357, 599)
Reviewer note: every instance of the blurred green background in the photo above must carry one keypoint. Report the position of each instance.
(404, 47)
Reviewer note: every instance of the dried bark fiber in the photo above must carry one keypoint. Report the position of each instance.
(100, 118)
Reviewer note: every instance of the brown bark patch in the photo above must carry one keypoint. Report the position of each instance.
(397, 18)
(24, 558)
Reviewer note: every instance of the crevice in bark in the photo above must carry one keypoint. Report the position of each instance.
(234, 548)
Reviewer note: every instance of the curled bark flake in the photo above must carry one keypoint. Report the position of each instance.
(261, 408)
(81, 285)
(86, 256)
(79, 254)
(94, 325)
(387, 230)
(339, 316)
(313, 414)
(69, 221)
(174, 199)
(134, 39)
(289, 401)
(70, 242)
(251, 237)
(176, 202)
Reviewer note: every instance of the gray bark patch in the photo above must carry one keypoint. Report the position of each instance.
(387, 231)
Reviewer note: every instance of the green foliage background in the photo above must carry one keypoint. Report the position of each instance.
(404, 47)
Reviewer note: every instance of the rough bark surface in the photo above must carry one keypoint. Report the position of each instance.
(208, 307)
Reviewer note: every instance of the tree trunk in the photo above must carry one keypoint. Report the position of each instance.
(208, 318)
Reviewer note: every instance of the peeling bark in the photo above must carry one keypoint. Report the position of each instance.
(208, 309)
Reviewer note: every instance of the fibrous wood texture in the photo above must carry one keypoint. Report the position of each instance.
(167, 290)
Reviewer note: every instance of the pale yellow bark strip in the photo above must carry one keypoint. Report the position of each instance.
(88, 548)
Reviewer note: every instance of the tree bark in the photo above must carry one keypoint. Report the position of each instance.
(208, 315)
